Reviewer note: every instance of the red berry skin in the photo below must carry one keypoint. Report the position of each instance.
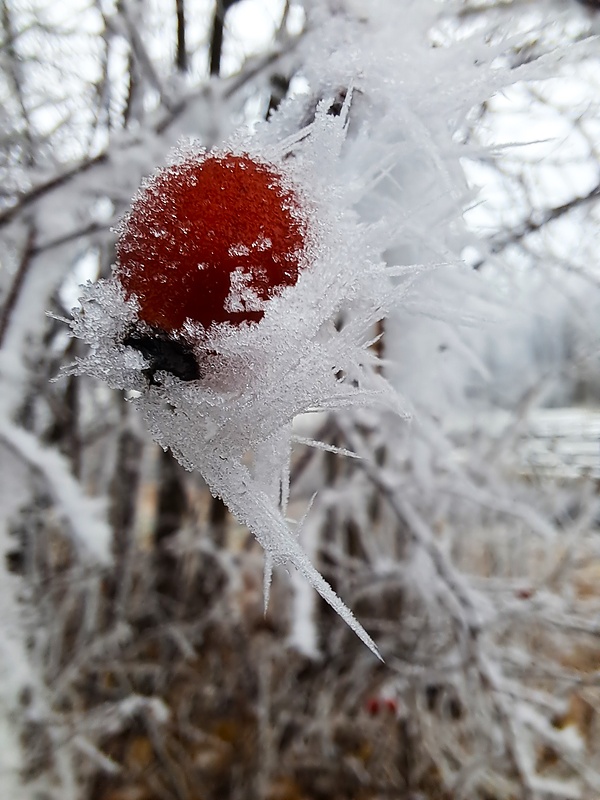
(198, 222)
(391, 705)
(373, 706)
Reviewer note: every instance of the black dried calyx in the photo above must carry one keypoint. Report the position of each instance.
(164, 353)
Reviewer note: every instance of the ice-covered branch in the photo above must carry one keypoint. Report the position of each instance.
(469, 607)
(84, 516)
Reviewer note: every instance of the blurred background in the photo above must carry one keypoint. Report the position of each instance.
(136, 662)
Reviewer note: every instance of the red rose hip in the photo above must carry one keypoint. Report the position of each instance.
(211, 239)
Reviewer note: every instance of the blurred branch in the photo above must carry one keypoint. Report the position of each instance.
(216, 38)
(71, 236)
(89, 530)
(499, 243)
(467, 604)
(27, 253)
(181, 58)
(44, 188)
(124, 141)
(15, 72)
(123, 502)
(141, 53)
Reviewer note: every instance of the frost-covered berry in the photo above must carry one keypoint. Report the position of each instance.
(211, 239)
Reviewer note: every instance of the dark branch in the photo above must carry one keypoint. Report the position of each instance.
(181, 59)
(500, 243)
(216, 39)
(48, 186)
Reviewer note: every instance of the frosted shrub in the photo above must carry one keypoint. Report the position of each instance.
(250, 279)
(251, 275)
(271, 321)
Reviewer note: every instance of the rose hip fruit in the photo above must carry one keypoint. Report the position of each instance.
(210, 240)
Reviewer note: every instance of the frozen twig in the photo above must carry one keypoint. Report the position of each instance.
(468, 604)
(85, 516)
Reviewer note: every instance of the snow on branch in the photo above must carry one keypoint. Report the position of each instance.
(84, 515)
